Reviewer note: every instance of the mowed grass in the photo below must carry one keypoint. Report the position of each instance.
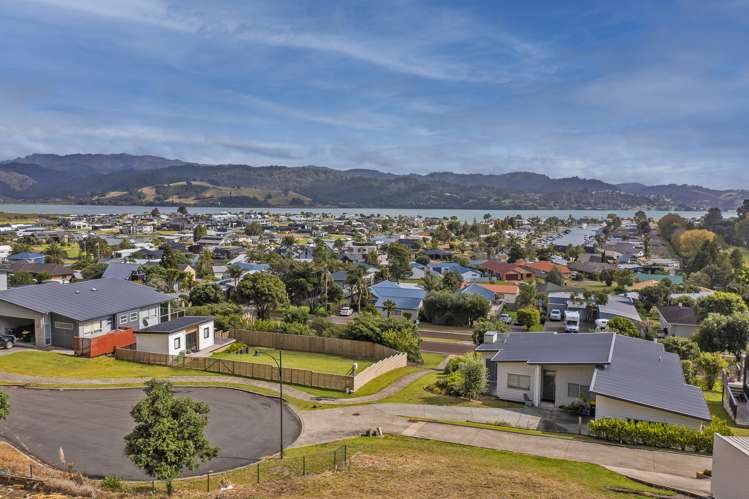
(318, 362)
(57, 365)
(396, 466)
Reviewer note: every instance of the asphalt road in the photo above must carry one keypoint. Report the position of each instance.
(89, 425)
(445, 347)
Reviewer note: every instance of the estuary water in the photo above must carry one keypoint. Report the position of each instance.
(463, 215)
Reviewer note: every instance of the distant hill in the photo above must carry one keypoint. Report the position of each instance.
(130, 179)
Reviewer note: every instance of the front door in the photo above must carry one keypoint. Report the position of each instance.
(192, 344)
(550, 386)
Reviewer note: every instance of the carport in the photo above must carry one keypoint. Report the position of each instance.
(24, 319)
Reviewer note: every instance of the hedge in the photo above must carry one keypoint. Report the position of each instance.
(663, 435)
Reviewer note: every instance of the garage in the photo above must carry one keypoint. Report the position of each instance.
(20, 321)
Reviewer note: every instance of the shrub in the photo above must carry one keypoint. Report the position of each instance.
(403, 342)
(685, 348)
(481, 326)
(453, 365)
(623, 326)
(474, 376)
(236, 347)
(661, 435)
(296, 314)
(690, 371)
(529, 317)
(111, 482)
(455, 309)
(325, 327)
(710, 365)
(227, 315)
(370, 327)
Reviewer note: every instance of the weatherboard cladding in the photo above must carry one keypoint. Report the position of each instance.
(78, 301)
(642, 372)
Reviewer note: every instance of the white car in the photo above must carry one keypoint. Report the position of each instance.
(602, 324)
(555, 315)
(345, 311)
(505, 318)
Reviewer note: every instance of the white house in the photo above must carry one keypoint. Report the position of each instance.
(187, 334)
(625, 378)
(730, 464)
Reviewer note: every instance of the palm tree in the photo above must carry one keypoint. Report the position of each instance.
(430, 282)
(235, 272)
(389, 306)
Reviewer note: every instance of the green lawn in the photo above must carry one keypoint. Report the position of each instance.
(417, 467)
(716, 409)
(318, 362)
(50, 364)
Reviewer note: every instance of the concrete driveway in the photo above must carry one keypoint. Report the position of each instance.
(89, 425)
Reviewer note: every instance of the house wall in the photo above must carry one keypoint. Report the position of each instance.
(682, 330)
(729, 470)
(514, 394)
(565, 374)
(398, 312)
(204, 342)
(160, 343)
(611, 408)
(134, 318)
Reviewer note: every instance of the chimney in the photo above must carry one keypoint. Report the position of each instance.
(490, 337)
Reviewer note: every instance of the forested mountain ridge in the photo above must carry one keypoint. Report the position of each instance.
(129, 179)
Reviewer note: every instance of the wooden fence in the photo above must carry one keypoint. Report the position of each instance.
(314, 344)
(396, 361)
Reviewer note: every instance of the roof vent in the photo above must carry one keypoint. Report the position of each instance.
(77, 292)
(93, 289)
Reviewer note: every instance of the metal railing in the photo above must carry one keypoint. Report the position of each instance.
(729, 400)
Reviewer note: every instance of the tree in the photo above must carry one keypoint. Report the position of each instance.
(452, 281)
(264, 290)
(21, 279)
(399, 264)
(155, 213)
(482, 326)
(526, 296)
(169, 434)
(253, 229)
(554, 276)
(710, 365)
(624, 277)
(623, 326)
(653, 296)
(516, 253)
(54, 253)
(182, 210)
(199, 232)
(430, 282)
(206, 293)
(685, 348)
(743, 210)
(737, 259)
(389, 307)
(235, 272)
(689, 242)
(204, 266)
(607, 276)
(529, 317)
(473, 370)
(720, 303)
(358, 287)
(721, 333)
(168, 258)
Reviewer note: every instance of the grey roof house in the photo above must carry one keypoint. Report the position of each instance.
(54, 314)
(623, 377)
(677, 320)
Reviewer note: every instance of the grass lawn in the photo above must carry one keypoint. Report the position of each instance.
(396, 466)
(716, 409)
(50, 364)
(72, 250)
(318, 362)
(592, 286)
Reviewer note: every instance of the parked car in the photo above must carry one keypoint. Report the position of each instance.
(555, 315)
(505, 318)
(345, 311)
(602, 324)
(571, 321)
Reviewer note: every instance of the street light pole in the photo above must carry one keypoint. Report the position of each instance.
(279, 364)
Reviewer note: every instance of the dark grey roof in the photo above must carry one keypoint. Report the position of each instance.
(119, 270)
(79, 301)
(642, 372)
(678, 315)
(553, 348)
(176, 325)
(620, 306)
(52, 269)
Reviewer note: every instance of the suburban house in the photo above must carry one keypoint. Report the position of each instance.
(542, 268)
(507, 271)
(495, 293)
(622, 377)
(50, 271)
(27, 257)
(619, 306)
(466, 273)
(188, 334)
(123, 270)
(677, 320)
(568, 300)
(407, 298)
(730, 462)
(55, 314)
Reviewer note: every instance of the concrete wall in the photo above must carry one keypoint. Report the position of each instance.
(611, 408)
(730, 466)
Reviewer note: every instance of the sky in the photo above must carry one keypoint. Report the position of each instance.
(634, 91)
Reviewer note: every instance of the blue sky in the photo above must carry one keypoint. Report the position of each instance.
(656, 92)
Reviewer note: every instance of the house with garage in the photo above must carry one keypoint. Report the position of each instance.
(496, 293)
(53, 314)
(507, 271)
(187, 334)
(619, 306)
(621, 377)
(46, 271)
(677, 320)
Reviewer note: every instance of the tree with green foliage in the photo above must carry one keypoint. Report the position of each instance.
(370, 326)
(710, 365)
(455, 309)
(529, 316)
(516, 253)
(554, 276)
(169, 260)
(93, 271)
(452, 281)
(623, 326)
(199, 232)
(182, 210)
(607, 276)
(654, 296)
(624, 278)
(722, 303)
(235, 272)
(21, 279)
(430, 282)
(169, 434)
(473, 370)
(526, 296)
(204, 266)
(253, 229)
(155, 212)
(203, 294)
(264, 290)
(737, 259)
(389, 306)
(482, 326)
(685, 348)
(399, 261)
(724, 333)
(54, 253)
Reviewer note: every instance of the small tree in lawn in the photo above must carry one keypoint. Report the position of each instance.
(169, 434)
(710, 365)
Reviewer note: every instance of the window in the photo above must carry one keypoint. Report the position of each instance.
(177, 343)
(133, 316)
(123, 319)
(64, 325)
(206, 332)
(518, 381)
(577, 391)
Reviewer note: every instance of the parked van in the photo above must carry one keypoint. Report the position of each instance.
(571, 321)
